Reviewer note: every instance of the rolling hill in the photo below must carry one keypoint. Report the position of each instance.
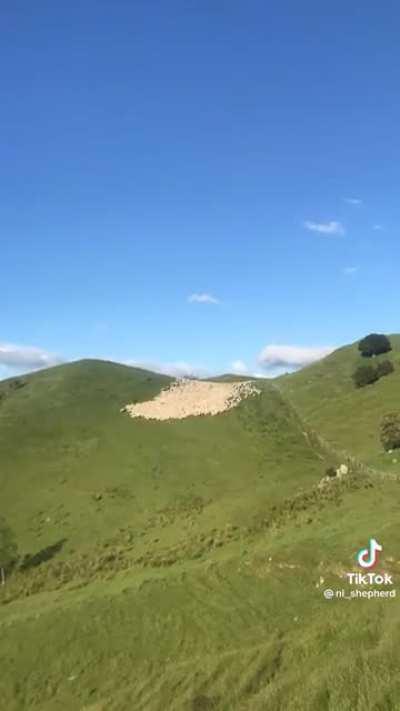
(91, 470)
(325, 397)
(180, 565)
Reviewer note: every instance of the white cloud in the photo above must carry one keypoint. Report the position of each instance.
(176, 369)
(325, 228)
(353, 201)
(350, 271)
(274, 356)
(239, 367)
(377, 227)
(203, 298)
(26, 357)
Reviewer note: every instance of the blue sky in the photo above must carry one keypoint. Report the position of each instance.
(240, 151)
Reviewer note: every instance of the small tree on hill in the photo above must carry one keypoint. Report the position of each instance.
(365, 375)
(390, 430)
(374, 344)
(8, 550)
(385, 368)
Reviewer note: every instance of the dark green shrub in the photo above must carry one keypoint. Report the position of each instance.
(8, 548)
(331, 472)
(390, 430)
(384, 368)
(374, 344)
(365, 375)
(17, 383)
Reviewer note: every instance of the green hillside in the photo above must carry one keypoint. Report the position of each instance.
(91, 470)
(231, 378)
(348, 417)
(180, 565)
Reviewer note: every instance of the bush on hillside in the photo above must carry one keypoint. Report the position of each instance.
(365, 375)
(384, 368)
(331, 472)
(374, 344)
(8, 549)
(390, 431)
(17, 384)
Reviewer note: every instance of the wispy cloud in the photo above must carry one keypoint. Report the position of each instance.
(350, 271)
(377, 227)
(26, 357)
(176, 369)
(203, 298)
(326, 228)
(276, 356)
(239, 367)
(353, 201)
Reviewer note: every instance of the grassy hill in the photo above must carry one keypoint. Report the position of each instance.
(231, 378)
(348, 417)
(180, 565)
(91, 470)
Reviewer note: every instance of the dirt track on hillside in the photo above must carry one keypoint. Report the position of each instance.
(185, 398)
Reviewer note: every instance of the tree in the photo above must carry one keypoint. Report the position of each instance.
(8, 550)
(390, 430)
(365, 375)
(385, 367)
(374, 344)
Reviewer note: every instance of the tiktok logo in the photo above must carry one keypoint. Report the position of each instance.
(367, 557)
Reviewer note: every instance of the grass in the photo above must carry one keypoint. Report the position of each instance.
(187, 574)
(238, 630)
(349, 418)
(91, 470)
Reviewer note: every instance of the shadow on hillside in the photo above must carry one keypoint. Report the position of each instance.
(32, 561)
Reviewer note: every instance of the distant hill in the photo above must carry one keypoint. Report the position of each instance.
(232, 378)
